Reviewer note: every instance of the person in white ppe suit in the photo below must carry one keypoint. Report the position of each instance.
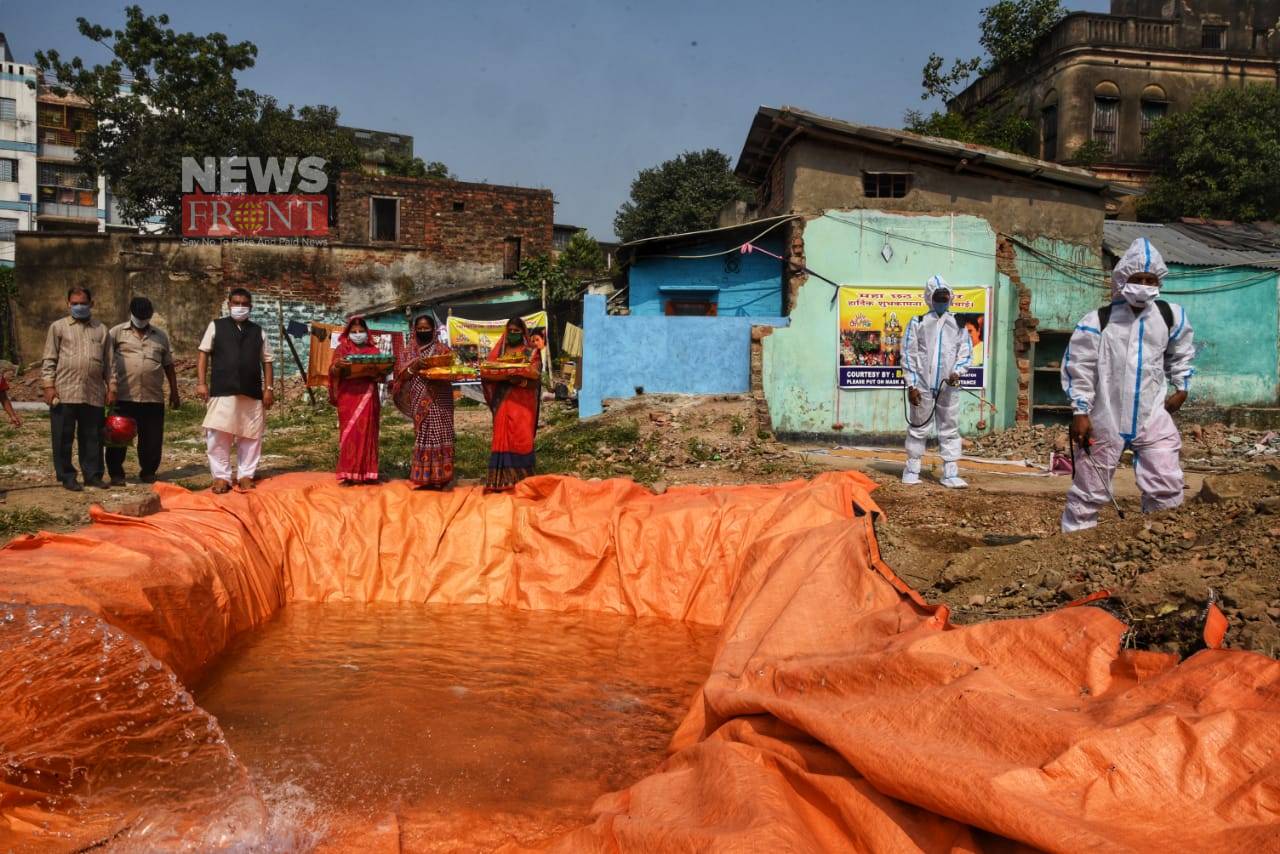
(937, 351)
(1116, 371)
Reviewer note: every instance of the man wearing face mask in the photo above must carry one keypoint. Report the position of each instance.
(143, 361)
(238, 390)
(78, 380)
(1116, 371)
(936, 353)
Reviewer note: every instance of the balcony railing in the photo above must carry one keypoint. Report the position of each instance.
(68, 211)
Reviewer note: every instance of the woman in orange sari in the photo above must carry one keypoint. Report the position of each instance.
(359, 408)
(429, 405)
(514, 403)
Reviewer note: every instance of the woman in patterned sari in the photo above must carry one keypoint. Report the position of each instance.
(514, 403)
(359, 408)
(429, 404)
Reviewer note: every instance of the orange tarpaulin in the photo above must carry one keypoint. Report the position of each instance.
(841, 712)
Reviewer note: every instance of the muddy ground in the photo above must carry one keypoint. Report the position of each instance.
(990, 551)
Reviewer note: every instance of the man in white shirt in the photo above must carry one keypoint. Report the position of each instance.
(234, 373)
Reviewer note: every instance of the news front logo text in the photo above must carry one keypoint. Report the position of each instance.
(254, 197)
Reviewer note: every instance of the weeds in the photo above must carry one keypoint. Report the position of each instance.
(24, 520)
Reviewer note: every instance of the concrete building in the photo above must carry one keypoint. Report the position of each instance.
(377, 147)
(17, 149)
(1109, 77)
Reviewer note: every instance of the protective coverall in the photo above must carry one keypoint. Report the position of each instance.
(935, 347)
(1118, 376)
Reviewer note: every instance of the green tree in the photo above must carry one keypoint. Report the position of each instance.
(682, 194)
(181, 101)
(165, 96)
(1218, 159)
(583, 257)
(539, 270)
(1010, 31)
(416, 167)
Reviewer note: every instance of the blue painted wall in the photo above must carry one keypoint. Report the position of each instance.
(673, 355)
(749, 285)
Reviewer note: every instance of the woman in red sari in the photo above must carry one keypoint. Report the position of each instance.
(429, 405)
(514, 403)
(359, 408)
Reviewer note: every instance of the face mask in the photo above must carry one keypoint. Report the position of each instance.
(359, 337)
(1139, 295)
(81, 311)
(239, 312)
(138, 322)
(515, 339)
(424, 336)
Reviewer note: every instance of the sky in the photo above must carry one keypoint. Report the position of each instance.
(576, 97)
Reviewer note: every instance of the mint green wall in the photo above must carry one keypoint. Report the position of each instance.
(800, 360)
(1234, 314)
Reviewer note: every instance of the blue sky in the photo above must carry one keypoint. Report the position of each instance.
(573, 96)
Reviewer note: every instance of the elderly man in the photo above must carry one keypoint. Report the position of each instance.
(77, 378)
(1118, 367)
(143, 361)
(234, 371)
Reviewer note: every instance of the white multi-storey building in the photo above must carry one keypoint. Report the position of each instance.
(18, 150)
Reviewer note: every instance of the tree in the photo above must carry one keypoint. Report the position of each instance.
(1010, 31)
(165, 96)
(1217, 159)
(182, 101)
(539, 270)
(583, 257)
(683, 194)
(416, 167)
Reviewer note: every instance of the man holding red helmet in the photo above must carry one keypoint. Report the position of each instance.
(143, 361)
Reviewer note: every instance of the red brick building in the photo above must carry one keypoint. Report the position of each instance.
(487, 225)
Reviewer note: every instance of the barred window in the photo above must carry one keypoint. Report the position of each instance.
(62, 175)
(1106, 122)
(885, 185)
(8, 227)
(8, 169)
(8, 108)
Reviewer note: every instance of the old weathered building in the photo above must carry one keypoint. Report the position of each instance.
(1108, 77)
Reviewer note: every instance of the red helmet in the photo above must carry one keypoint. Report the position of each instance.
(119, 431)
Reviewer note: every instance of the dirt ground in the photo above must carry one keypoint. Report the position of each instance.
(991, 551)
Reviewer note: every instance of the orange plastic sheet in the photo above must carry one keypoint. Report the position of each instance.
(842, 713)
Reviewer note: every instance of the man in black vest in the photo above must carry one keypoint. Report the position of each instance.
(238, 391)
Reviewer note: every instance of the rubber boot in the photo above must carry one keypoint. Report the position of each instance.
(911, 474)
(951, 476)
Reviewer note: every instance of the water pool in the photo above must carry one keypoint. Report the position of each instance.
(484, 724)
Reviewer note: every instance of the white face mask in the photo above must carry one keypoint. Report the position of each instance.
(1137, 295)
(359, 337)
(239, 312)
(138, 323)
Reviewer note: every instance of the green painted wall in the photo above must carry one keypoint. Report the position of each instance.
(800, 360)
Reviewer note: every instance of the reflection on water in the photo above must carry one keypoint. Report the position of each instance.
(454, 713)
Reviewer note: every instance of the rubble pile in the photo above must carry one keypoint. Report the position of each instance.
(1032, 443)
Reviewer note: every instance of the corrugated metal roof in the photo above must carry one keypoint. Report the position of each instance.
(1199, 244)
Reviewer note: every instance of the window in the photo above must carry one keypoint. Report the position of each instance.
(1260, 41)
(8, 226)
(8, 169)
(690, 308)
(384, 219)
(1152, 112)
(363, 134)
(885, 185)
(1106, 122)
(1213, 37)
(459, 207)
(61, 175)
(8, 108)
(510, 257)
(1049, 133)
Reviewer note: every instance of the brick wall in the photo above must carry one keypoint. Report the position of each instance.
(452, 220)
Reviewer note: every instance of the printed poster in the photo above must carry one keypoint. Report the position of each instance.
(873, 322)
(472, 340)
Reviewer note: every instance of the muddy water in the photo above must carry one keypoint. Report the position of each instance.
(471, 724)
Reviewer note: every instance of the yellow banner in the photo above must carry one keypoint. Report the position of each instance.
(873, 321)
(474, 339)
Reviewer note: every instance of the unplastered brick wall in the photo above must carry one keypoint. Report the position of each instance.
(452, 220)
